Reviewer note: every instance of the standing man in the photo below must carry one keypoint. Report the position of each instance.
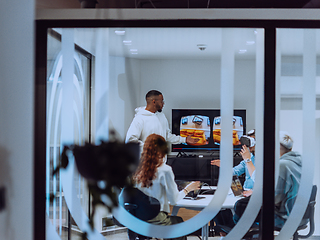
(151, 119)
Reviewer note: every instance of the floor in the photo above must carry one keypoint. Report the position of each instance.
(118, 233)
(121, 234)
(124, 236)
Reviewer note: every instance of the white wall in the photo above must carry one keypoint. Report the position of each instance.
(124, 92)
(196, 84)
(16, 117)
(184, 83)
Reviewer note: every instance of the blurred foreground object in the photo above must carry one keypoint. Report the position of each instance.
(106, 168)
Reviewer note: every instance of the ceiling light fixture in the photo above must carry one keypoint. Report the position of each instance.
(241, 51)
(120, 32)
(127, 42)
(250, 42)
(133, 50)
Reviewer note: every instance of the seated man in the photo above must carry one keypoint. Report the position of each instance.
(288, 181)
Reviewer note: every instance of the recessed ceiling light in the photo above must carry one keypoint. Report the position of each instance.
(250, 42)
(134, 53)
(133, 50)
(242, 51)
(127, 42)
(120, 32)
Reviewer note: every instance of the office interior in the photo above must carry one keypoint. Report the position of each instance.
(129, 78)
(168, 59)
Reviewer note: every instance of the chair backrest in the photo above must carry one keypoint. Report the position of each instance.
(139, 204)
(308, 216)
(310, 208)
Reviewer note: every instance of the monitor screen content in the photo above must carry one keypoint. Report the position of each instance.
(204, 125)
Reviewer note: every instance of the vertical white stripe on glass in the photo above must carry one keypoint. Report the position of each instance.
(102, 85)
(278, 102)
(226, 110)
(253, 207)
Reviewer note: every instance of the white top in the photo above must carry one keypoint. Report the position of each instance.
(164, 188)
(145, 123)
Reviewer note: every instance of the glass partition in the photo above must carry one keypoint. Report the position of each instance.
(216, 74)
(58, 97)
(298, 115)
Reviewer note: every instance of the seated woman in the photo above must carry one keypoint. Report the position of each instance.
(156, 179)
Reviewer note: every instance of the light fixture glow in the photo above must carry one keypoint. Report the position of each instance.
(133, 50)
(120, 32)
(241, 51)
(250, 42)
(127, 42)
(134, 53)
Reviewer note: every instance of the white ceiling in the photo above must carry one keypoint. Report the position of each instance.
(181, 43)
(177, 43)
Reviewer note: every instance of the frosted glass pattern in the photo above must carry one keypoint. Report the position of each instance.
(78, 70)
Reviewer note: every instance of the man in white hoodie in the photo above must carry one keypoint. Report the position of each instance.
(151, 119)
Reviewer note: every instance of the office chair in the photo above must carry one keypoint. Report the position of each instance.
(308, 219)
(139, 205)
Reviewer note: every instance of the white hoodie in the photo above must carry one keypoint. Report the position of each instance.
(145, 123)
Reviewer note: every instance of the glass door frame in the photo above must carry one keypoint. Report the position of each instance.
(269, 26)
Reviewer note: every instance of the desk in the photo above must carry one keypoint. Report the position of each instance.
(200, 204)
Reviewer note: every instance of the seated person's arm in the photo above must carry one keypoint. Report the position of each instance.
(172, 189)
(245, 153)
(237, 170)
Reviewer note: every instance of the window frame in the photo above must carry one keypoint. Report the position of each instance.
(269, 25)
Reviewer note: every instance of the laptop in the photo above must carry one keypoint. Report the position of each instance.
(191, 195)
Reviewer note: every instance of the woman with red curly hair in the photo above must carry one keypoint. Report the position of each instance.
(156, 179)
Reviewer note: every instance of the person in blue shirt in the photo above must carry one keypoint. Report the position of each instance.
(247, 165)
(286, 190)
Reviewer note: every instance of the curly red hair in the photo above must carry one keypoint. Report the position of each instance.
(154, 149)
